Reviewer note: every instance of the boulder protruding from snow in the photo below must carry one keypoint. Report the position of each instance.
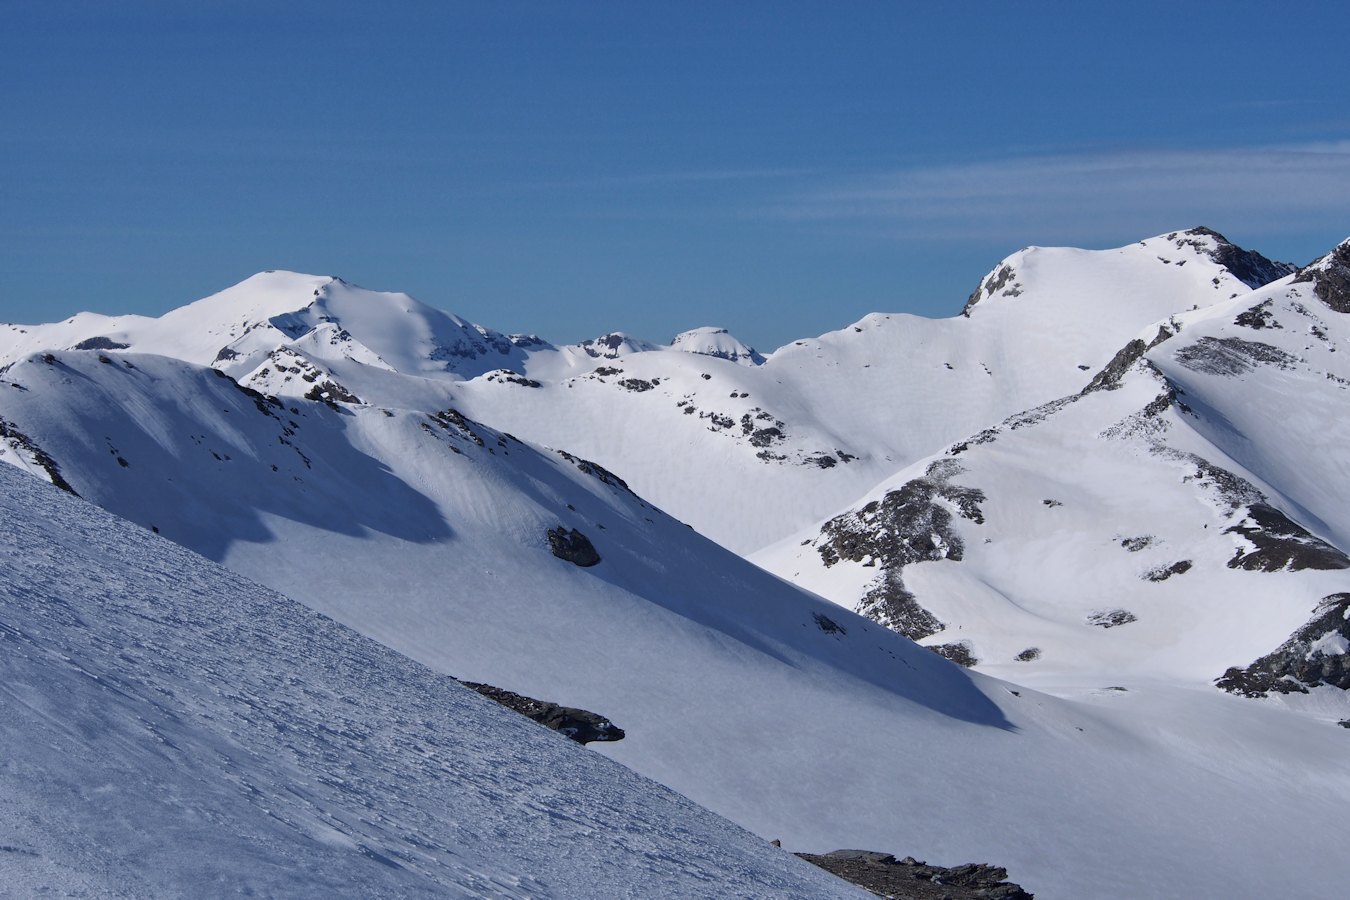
(572, 546)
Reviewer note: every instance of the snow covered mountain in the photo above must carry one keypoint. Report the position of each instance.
(172, 729)
(340, 458)
(1177, 517)
(748, 454)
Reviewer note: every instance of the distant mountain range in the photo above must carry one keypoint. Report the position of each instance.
(1107, 489)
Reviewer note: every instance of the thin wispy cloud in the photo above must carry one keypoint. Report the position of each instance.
(1101, 195)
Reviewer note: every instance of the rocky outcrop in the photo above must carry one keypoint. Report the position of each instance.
(1316, 654)
(22, 443)
(913, 523)
(1279, 544)
(581, 725)
(1330, 278)
(909, 879)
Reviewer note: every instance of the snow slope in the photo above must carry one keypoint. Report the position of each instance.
(792, 717)
(172, 729)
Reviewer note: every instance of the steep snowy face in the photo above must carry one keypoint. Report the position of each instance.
(1160, 522)
(173, 729)
(716, 342)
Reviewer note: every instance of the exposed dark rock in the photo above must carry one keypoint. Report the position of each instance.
(332, 393)
(453, 418)
(1231, 356)
(1001, 279)
(1052, 503)
(572, 546)
(1231, 489)
(1330, 277)
(1135, 544)
(823, 461)
(1028, 655)
(960, 652)
(1110, 618)
(763, 437)
(609, 346)
(909, 879)
(99, 343)
(1162, 573)
(595, 470)
(582, 726)
(1316, 654)
(1109, 378)
(1247, 266)
(1280, 544)
(20, 441)
(637, 385)
(1258, 317)
(510, 377)
(828, 625)
(910, 524)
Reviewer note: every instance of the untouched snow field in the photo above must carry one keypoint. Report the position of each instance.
(171, 729)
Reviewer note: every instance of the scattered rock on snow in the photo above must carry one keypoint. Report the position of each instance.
(960, 652)
(1110, 618)
(1162, 573)
(911, 524)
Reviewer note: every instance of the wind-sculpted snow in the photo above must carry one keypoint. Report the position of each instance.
(174, 730)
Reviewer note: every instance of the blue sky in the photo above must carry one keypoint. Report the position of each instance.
(780, 169)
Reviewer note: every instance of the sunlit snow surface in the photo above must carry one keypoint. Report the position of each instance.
(785, 713)
(170, 729)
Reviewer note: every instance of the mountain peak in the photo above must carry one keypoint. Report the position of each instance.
(1247, 266)
(713, 341)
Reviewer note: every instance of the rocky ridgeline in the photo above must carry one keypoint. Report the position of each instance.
(909, 879)
(581, 725)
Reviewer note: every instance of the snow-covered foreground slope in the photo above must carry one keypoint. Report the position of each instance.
(171, 729)
(792, 717)
(1179, 517)
(746, 452)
